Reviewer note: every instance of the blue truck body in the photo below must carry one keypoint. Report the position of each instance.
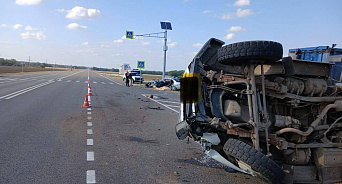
(321, 54)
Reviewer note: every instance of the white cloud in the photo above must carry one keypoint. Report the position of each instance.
(4, 25)
(227, 16)
(197, 45)
(173, 45)
(29, 28)
(229, 36)
(207, 11)
(244, 13)
(143, 43)
(34, 36)
(75, 26)
(85, 43)
(236, 29)
(118, 41)
(17, 26)
(28, 2)
(81, 12)
(242, 3)
(105, 46)
(61, 10)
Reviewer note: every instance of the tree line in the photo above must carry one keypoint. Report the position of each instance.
(14, 62)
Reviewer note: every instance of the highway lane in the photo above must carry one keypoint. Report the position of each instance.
(14, 83)
(47, 137)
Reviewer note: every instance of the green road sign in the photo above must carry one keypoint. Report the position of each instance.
(129, 34)
(141, 64)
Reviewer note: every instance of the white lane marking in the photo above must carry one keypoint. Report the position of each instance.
(90, 156)
(90, 131)
(59, 80)
(90, 142)
(167, 101)
(103, 83)
(111, 80)
(89, 123)
(68, 81)
(160, 103)
(17, 93)
(94, 82)
(91, 176)
(77, 81)
(110, 83)
(89, 113)
(175, 106)
(89, 109)
(88, 117)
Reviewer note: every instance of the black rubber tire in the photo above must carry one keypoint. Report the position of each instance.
(267, 51)
(257, 160)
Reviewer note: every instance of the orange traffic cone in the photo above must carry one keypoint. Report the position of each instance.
(89, 92)
(86, 102)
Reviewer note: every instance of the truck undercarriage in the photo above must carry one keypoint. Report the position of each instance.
(268, 116)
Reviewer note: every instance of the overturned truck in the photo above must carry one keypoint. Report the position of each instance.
(264, 115)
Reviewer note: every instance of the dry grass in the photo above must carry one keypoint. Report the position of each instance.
(18, 69)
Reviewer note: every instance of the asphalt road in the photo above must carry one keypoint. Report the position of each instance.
(124, 137)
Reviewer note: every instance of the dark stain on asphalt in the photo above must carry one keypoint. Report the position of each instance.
(203, 161)
(140, 140)
(155, 108)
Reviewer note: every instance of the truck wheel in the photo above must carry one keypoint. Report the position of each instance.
(257, 50)
(245, 154)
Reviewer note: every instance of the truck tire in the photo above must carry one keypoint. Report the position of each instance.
(259, 162)
(268, 51)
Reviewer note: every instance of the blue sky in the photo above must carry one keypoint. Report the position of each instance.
(90, 32)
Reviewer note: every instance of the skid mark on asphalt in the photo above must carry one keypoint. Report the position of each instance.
(172, 105)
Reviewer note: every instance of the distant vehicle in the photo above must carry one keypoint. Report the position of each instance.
(135, 76)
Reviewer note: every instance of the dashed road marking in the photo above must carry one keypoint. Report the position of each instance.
(89, 113)
(90, 142)
(103, 83)
(91, 176)
(111, 80)
(89, 123)
(89, 109)
(90, 156)
(94, 82)
(77, 81)
(88, 117)
(90, 131)
(68, 81)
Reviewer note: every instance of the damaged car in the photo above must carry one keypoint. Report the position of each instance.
(264, 115)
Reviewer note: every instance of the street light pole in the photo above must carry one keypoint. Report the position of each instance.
(165, 49)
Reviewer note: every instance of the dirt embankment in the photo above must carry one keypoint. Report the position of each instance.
(18, 69)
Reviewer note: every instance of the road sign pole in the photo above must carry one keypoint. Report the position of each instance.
(165, 49)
